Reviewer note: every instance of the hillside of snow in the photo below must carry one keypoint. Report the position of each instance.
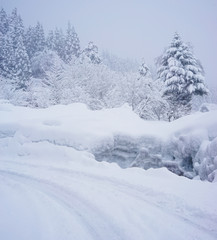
(52, 187)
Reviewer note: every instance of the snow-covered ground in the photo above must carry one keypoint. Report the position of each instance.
(51, 186)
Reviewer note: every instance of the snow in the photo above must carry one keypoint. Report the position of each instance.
(52, 187)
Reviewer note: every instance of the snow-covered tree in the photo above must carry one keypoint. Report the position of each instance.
(144, 70)
(40, 37)
(59, 43)
(72, 44)
(34, 40)
(147, 99)
(50, 43)
(42, 62)
(153, 106)
(53, 80)
(3, 60)
(22, 69)
(3, 22)
(46, 88)
(183, 76)
(90, 54)
(140, 86)
(16, 61)
(3, 30)
(29, 40)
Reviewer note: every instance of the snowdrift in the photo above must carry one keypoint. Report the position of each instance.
(52, 187)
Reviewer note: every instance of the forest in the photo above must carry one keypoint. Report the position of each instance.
(39, 69)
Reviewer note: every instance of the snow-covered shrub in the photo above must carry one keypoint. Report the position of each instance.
(9, 92)
(38, 93)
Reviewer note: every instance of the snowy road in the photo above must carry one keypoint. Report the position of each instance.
(67, 201)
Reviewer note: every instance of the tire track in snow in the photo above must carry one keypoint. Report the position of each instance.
(75, 204)
(140, 194)
(148, 195)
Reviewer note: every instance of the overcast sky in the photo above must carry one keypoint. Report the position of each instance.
(133, 29)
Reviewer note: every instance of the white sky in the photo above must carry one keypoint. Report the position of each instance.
(131, 28)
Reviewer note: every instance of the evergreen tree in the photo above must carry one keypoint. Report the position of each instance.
(3, 30)
(3, 22)
(90, 54)
(29, 41)
(34, 40)
(183, 76)
(22, 69)
(16, 60)
(72, 44)
(3, 55)
(54, 79)
(144, 70)
(50, 42)
(59, 43)
(40, 37)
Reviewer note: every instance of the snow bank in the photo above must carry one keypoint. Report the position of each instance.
(184, 146)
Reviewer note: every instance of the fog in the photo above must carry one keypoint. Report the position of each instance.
(131, 29)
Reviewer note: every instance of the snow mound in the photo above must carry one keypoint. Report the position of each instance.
(119, 135)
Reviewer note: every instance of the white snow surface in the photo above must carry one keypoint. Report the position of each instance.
(52, 188)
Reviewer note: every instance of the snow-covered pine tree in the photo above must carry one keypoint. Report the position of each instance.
(72, 44)
(3, 22)
(90, 54)
(50, 43)
(29, 41)
(34, 40)
(40, 37)
(22, 67)
(3, 56)
(183, 76)
(59, 43)
(17, 65)
(54, 80)
(144, 70)
(3, 31)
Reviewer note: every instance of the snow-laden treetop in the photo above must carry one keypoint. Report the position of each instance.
(181, 70)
